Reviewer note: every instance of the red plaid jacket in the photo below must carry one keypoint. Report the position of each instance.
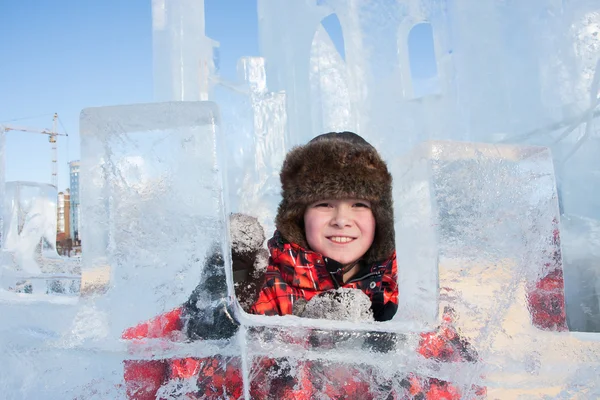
(296, 273)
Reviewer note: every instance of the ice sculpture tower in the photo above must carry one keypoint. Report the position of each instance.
(183, 54)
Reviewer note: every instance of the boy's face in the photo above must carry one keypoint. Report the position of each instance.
(340, 229)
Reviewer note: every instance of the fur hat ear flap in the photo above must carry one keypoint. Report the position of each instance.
(336, 166)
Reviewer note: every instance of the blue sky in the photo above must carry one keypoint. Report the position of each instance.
(65, 55)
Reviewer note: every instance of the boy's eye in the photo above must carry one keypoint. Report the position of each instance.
(360, 204)
(321, 205)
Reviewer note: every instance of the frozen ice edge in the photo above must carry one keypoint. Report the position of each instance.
(128, 118)
(293, 321)
(33, 298)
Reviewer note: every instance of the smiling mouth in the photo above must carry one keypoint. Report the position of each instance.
(340, 239)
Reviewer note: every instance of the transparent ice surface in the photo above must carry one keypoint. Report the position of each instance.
(330, 100)
(497, 218)
(581, 236)
(416, 239)
(152, 198)
(255, 127)
(151, 202)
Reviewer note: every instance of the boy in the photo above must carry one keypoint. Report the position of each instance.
(335, 227)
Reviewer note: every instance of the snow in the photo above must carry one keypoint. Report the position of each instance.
(247, 235)
(342, 304)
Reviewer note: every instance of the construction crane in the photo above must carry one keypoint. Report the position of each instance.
(52, 135)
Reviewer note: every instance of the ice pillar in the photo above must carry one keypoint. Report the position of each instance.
(269, 122)
(183, 55)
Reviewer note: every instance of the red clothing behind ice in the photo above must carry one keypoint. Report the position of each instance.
(216, 377)
(546, 297)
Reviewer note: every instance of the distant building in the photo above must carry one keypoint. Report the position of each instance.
(74, 173)
(63, 217)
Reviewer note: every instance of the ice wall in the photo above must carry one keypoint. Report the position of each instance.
(153, 212)
(570, 79)
(496, 217)
(507, 349)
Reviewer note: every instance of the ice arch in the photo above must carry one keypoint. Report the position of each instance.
(422, 60)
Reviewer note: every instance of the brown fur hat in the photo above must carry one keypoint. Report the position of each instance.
(336, 166)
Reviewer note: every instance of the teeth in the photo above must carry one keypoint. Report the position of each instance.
(340, 239)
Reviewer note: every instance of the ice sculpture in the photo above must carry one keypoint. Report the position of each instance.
(151, 202)
(375, 77)
(152, 210)
(29, 246)
(482, 245)
(497, 221)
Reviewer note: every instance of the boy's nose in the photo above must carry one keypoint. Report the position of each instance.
(341, 217)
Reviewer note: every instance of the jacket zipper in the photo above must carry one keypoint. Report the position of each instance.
(362, 277)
